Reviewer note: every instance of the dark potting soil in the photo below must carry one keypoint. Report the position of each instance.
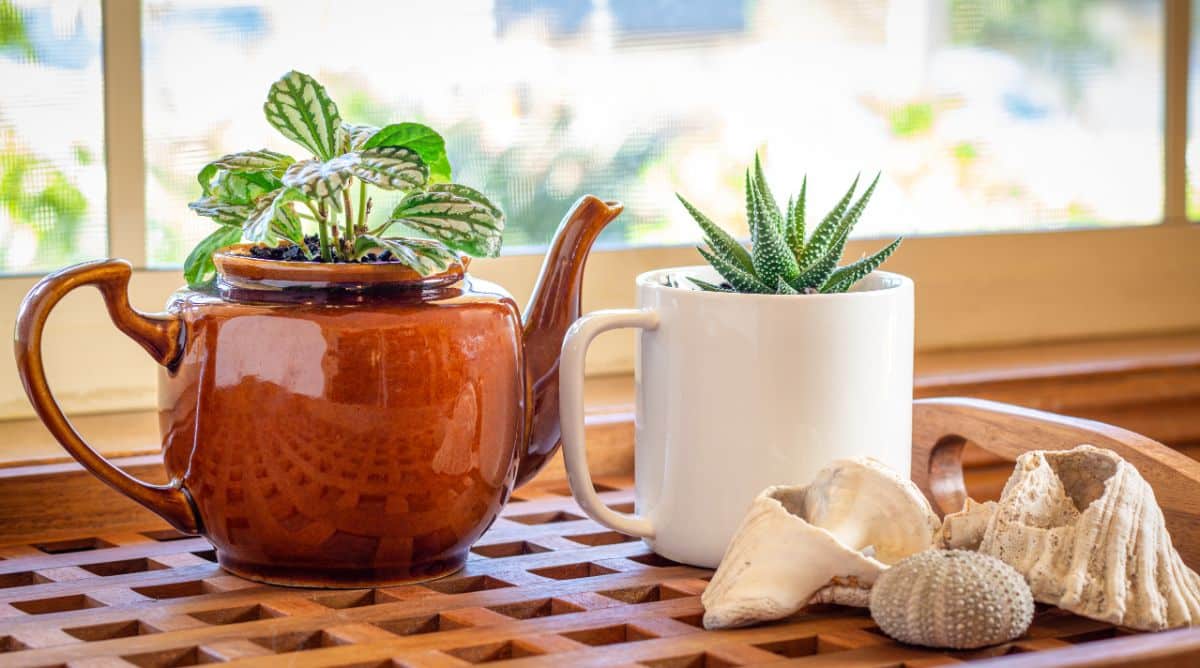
(292, 252)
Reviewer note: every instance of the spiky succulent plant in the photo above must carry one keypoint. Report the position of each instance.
(781, 259)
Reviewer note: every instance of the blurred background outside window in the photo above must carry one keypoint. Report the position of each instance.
(982, 116)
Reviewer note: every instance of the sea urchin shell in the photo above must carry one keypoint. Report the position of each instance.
(952, 598)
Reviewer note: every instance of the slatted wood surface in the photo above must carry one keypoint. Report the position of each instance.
(544, 587)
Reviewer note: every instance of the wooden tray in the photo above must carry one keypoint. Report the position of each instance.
(544, 587)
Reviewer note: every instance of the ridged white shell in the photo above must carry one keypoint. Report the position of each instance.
(952, 598)
(824, 542)
(1085, 530)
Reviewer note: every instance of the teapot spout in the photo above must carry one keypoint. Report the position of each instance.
(555, 304)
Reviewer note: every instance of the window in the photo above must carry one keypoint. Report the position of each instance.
(1033, 152)
(52, 188)
(982, 116)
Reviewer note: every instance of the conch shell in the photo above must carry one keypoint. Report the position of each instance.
(1085, 530)
(821, 543)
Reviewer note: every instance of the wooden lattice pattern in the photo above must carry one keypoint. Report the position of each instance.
(544, 586)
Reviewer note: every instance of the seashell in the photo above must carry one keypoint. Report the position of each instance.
(825, 542)
(1085, 530)
(952, 598)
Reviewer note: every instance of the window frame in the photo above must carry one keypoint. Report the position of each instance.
(972, 290)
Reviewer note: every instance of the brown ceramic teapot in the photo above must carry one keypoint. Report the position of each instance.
(337, 425)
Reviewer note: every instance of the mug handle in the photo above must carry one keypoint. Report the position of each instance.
(570, 400)
(160, 334)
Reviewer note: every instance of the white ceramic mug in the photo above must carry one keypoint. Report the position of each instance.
(737, 392)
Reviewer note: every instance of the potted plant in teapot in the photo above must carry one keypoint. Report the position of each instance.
(341, 405)
(757, 369)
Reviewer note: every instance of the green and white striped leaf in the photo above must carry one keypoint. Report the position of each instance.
(222, 212)
(742, 281)
(391, 168)
(719, 240)
(421, 138)
(255, 161)
(770, 255)
(795, 221)
(238, 187)
(270, 215)
(827, 230)
(352, 137)
(422, 255)
(458, 216)
(302, 111)
(321, 179)
(199, 269)
(843, 279)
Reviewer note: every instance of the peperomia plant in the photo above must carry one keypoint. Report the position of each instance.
(781, 260)
(268, 197)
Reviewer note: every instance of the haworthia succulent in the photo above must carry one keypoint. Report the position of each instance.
(391, 168)
(721, 241)
(302, 111)
(845, 278)
(460, 217)
(261, 160)
(771, 257)
(826, 231)
(742, 281)
(782, 260)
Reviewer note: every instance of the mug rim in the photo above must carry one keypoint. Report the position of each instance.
(651, 280)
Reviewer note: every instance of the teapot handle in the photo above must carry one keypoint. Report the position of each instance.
(570, 400)
(160, 334)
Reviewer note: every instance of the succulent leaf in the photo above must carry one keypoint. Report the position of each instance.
(420, 138)
(458, 216)
(322, 179)
(721, 241)
(851, 218)
(391, 168)
(771, 257)
(741, 280)
(199, 269)
(815, 275)
(795, 222)
(843, 279)
(767, 200)
(302, 111)
(826, 232)
(708, 287)
(782, 288)
(261, 160)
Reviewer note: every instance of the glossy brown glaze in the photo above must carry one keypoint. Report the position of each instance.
(339, 426)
